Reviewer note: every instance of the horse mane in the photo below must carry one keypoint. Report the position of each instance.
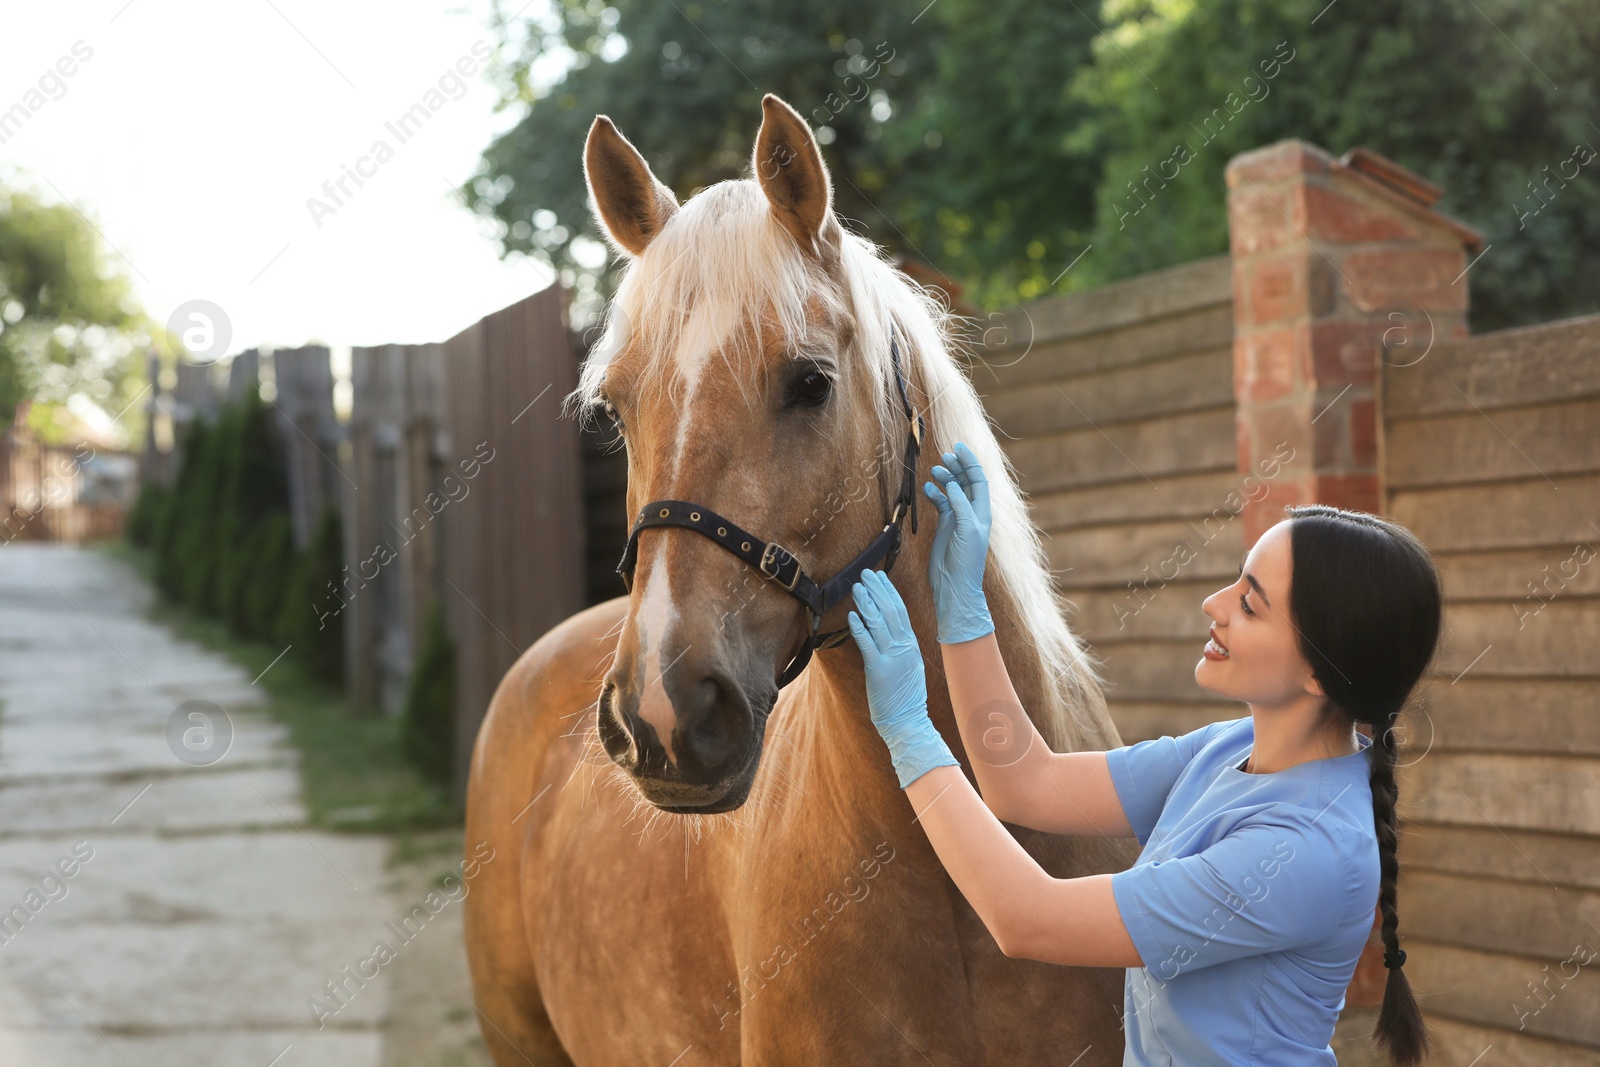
(721, 263)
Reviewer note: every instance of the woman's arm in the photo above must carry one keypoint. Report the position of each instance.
(1030, 913)
(1021, 779)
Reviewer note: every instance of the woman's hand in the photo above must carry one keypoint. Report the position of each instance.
(960, 547)
(897, 691)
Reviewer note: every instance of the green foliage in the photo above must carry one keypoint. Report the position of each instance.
(147, 514)
(1436, 87)
(254, 486)
(427, 728)
(197, 544)
(1005, 138)
(687, 90)
(221, 537)
(68, 320)
(309, 618)
(172, 530)
(269, 554)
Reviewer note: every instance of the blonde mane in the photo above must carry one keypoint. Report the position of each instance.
(722, 262)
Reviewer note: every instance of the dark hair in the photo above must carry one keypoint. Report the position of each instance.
(1366, 602)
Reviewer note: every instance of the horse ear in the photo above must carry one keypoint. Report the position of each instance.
(789, 167)
(629, 201)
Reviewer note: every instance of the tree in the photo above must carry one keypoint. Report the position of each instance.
(1002, 139)
(1465, 95)
(684, 82)
(68, 320)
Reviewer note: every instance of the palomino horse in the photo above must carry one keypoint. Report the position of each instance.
(750, 359)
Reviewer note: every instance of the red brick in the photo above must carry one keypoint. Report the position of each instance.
(1328, 437)
(1364, 432)
(1266, 365)
(1262, 514)
(1276, 290)
(1278, 423)
(1428, 278)
(1259, 219)
(1354, 492)
(1346, 353)
(1244, 439)
(1276, 162)
(1332, 214)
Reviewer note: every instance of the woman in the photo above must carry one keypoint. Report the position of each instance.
(1268, 839)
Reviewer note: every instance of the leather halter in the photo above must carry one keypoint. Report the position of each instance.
(778, 564)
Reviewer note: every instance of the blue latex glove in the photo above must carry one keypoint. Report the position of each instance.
(897, 692)
(960, 547)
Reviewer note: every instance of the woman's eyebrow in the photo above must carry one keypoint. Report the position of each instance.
(1255, 585)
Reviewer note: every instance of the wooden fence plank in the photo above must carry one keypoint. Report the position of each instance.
(1547, 363)
(1194, 382)
(1002, 364)
(1176, 444)
(1549, 438)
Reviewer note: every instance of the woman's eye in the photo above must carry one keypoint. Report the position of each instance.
(1245, 604)
(812, 388)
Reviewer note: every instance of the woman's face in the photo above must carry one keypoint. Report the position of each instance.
(1264, 666)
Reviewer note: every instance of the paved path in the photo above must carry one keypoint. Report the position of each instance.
(196, 916)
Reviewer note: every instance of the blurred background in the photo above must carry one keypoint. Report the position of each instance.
(291, 296)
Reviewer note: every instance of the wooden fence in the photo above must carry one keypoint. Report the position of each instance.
(1137, 415)
(303, 380)
(1117, 409)
(458, 484)
(1493, 459)
(514, 544)
(393, 457)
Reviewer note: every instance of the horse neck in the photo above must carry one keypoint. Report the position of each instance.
(844, 742)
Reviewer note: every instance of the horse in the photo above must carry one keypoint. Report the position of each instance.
(687, 831)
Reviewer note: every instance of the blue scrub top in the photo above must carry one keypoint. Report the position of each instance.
(1250, 903)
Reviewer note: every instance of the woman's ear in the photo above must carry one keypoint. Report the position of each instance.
(630, 204)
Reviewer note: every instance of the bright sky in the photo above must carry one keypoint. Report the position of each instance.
(195, 132)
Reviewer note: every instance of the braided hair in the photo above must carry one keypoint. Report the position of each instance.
(1367, 605)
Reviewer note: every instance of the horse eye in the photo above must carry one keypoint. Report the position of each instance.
(610, 411)
(813, 388)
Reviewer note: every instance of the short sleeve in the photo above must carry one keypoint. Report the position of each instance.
(1144, 773)
(1267, 886)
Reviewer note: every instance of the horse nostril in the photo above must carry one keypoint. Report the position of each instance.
(616, 737)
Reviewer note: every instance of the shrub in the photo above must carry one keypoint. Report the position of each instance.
(308, 617)
(145, 518)
(427, 725)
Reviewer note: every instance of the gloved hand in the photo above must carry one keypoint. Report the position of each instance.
(960, 547)
(897, 692)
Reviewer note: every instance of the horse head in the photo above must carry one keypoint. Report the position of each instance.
(743, 364)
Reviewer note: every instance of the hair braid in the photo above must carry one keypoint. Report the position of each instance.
(1366, 591)
(1400, 1029)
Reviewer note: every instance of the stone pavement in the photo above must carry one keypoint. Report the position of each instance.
(154, 912)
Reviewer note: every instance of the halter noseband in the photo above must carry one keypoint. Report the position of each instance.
(778, 564)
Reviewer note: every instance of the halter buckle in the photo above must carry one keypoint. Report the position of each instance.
(768, 555)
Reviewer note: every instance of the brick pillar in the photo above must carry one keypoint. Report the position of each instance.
(1337, 265)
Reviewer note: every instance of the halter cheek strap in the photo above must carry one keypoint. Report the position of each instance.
(778, 564)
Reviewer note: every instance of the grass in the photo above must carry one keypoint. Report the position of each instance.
(353, 775)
